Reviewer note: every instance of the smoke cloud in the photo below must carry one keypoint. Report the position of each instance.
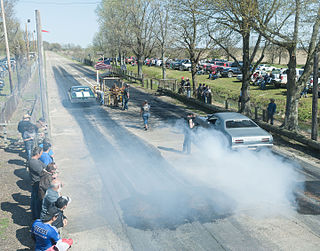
(258, 181)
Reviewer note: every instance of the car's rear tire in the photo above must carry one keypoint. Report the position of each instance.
(230, 74)
(181, 68)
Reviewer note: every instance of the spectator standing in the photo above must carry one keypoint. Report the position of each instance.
(51, 196)
(47, 141)
(188, 88)
(145, 112)
(61, 203)
(182, 84)
(47, 235)
(203, 94)
(272, 107)
(187, 134)
(208, 95)
(46, 178)
(199, 91)
(24, 124)
(114, 90)
(29, 137)
(126, 96)
(45, 156)
(35, 169)
(41, 128)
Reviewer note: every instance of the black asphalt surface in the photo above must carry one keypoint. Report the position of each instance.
(138, 195)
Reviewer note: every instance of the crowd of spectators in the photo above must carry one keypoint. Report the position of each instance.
(47, 202)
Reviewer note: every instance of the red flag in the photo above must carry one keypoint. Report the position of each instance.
(45, 31)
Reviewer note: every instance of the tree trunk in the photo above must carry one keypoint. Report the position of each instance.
(194, 76)
(293, 94)
(139, 59)
(163, 65)
(245, 97)
(280, 54)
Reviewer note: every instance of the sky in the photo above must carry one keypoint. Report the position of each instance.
(68, 21)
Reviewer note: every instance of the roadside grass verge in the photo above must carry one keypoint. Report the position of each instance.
(4, 223)
(229, 88)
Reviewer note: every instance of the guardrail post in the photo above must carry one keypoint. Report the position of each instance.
(264, 115)
(226, 104)
(151, 84)
(147, 83)
(256, 113)
(142, 81)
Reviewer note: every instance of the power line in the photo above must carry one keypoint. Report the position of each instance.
(57, 3)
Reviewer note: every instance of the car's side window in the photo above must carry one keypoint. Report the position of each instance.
(212, 120)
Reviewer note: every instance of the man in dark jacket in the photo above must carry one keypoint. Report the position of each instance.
(46, 177)
(35, 169)
(61, 203)
(272, 107)
(24, 124)
(126, 97)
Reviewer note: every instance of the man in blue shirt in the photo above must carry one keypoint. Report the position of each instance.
(272, 107)
(45, 157)
(46, 235)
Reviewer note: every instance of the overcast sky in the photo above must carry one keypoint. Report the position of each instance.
(68, 21)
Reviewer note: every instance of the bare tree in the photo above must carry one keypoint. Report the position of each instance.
(232, 18)
(288, 38)
(190, 28)
(163, 32)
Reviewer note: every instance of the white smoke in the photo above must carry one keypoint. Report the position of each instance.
(257, 181)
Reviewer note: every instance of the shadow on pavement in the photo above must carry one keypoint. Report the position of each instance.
(168, 209)
(311, 204)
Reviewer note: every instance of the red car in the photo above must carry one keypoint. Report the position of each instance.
(220, 65)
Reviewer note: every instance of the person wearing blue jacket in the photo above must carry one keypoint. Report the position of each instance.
(272, 107)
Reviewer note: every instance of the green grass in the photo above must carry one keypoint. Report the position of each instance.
(4, 223)
(229, 88)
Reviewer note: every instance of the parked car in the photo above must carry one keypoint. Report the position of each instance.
(284, 79)
(276, 76)
(185, 65)
(240, 77)
(218, 66)
(266, 67)
(310, 84)
(240, 131)
(81, 94)
(177, 65)
(233, 70)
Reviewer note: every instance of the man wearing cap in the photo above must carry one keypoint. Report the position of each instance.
(46, 235)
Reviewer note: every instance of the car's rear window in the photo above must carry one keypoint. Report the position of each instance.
(240, 123)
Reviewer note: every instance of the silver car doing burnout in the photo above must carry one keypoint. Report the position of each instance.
(240, 131)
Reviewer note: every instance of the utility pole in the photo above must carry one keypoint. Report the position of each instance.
(314, 130)
(7, 45)
(43, 89)
(27, 40)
